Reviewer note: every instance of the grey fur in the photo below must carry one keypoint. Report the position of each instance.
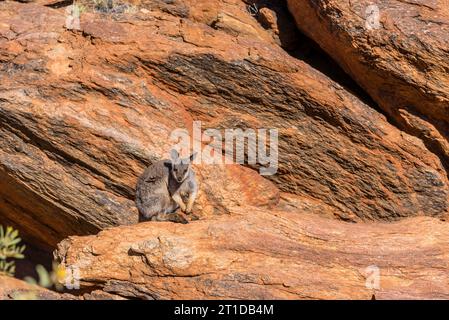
(163, 188)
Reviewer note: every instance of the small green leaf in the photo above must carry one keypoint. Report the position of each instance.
(44, 276)
(30, 280)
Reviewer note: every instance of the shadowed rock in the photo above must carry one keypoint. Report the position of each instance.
(397, 51)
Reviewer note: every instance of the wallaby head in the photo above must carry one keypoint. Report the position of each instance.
(180, 167)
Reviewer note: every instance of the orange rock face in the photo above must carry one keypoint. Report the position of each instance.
(86, 105)
(14, 289)
(397, 51)
(83, 112)
(256, 254)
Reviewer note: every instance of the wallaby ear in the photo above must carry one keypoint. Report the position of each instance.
(174, 155)
(193, 156)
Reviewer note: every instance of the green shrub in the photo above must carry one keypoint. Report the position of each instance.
(9, 249)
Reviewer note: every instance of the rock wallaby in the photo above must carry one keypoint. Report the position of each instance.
(165, 187)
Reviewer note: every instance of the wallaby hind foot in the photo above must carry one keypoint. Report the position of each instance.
(193, 217)
(182, 218)
(177, 217)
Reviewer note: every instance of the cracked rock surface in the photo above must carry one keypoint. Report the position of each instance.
(84, 109)
(259, 254)
(398, 51)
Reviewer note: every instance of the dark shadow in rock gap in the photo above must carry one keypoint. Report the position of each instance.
(33, 257)
(299, 46)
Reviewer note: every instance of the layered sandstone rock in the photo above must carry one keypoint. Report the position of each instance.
(397, 51)
(257, 254)
(73, 143)
(82, 112)
(14, 289)
(84, 108)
